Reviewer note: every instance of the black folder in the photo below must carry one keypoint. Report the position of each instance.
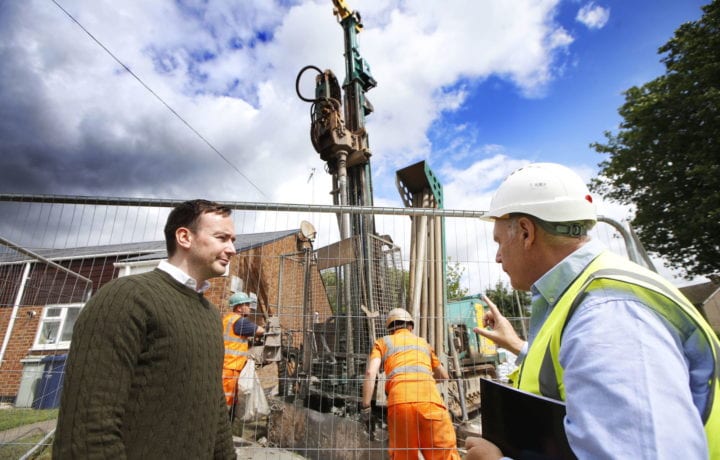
(523, 425)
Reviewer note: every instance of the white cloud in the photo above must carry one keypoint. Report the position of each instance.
(72, 121)
(229, 70)
(593, 16)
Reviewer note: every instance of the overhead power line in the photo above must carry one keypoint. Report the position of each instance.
(127, 69)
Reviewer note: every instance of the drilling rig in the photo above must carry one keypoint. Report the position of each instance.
(368, 274)
(323, 373)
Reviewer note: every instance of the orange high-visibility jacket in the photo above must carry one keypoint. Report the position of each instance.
(408, 361)
(236, 346)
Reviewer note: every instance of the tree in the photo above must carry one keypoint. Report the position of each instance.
(453, 273)
(665, 158)
(505, 299)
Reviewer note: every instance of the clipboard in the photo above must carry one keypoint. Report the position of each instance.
(523, 425)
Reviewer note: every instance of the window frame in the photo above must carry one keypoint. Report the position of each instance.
(61, 320)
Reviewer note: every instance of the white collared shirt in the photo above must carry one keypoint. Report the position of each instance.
(182, 277)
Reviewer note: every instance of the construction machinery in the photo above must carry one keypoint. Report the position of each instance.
(364, 278)
(472, 356)
(365, 267)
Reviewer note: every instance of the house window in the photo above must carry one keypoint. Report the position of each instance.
(56, 326)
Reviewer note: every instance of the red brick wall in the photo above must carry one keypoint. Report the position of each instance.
(20, 342)
(259, 268)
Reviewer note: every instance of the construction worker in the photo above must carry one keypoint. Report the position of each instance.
(634, 361)
(418, 421)
(238, 332)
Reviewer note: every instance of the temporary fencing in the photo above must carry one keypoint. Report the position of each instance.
(322, 317)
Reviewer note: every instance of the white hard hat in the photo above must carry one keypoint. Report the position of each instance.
(548, 191)
(398, 314)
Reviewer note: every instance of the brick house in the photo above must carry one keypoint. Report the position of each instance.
(40, 299)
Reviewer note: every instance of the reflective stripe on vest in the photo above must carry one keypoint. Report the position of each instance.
(541, 372)
(407, 370)
(392, 349)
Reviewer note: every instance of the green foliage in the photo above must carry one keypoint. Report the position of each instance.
(505, 299)
(394, 284)
(453, 273)
(329, 278)
(665, 158)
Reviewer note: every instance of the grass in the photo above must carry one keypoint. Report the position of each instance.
(20, 447)
(13, 418)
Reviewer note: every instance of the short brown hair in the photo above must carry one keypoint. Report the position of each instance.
(186, 215)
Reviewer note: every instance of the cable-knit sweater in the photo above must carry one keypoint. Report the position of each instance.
(143, 377)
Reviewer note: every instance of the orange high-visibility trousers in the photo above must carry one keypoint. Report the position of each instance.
(424, 427)
(230, 382)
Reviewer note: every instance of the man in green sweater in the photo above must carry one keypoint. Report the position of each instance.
(143, 375)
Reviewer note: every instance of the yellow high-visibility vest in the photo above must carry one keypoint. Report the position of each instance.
(541, 373)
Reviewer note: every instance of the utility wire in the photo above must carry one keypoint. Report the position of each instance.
(158, 97)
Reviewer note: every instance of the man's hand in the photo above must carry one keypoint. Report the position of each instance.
(366, 418)
(501, 331)
(481, 449)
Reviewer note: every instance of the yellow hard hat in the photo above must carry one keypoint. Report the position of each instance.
(398, 314)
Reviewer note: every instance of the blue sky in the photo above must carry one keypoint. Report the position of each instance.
(581, 101)
(474, 88)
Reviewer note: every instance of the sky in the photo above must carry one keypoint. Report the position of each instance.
(185, 99)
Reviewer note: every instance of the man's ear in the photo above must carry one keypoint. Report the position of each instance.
(183, 237)
(527, 231)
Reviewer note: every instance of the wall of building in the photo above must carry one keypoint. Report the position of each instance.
(712, 311)
(26, 325)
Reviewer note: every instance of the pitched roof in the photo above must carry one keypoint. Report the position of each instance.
(699, 293)
(148, 250)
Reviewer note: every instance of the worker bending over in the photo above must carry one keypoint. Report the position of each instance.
(238, 332)
(418, 421)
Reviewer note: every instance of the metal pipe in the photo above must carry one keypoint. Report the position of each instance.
(440, 289)
(258, 206)
(307, 320)
(37, 447)
(458, 375)
(244, 205)
(413, 258)
(16, 307)
(431, 308)
(632, 243)
(38, 257)
(345, 232)
(419, 266)
(640, 250)
(343, 191)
